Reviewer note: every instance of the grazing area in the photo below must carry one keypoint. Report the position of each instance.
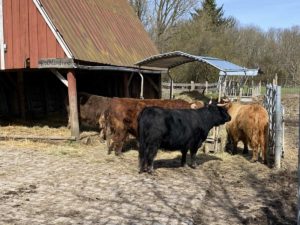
(64, 182)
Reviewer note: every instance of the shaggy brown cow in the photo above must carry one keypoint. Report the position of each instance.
(249, 124)
(90, 108)
(121, 117)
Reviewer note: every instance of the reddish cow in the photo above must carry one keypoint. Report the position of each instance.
(121, 117)
(249, 124)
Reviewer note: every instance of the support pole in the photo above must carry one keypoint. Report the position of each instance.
(72, 91)
(171, 85)
(278, 133)
(298, 216)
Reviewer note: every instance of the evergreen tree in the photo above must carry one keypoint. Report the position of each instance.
(213, 15)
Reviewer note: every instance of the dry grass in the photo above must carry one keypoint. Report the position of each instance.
(42, 131)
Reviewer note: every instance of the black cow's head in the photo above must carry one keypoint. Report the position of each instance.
(220, 113)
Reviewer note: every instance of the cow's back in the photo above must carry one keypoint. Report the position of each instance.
(91, 107)
(132, 116)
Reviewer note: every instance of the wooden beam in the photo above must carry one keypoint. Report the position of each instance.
(153, 84)
(31, 137)
(59, 76)
(72, 91)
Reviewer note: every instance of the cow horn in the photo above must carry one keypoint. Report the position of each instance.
(226, 100)
(221, 105)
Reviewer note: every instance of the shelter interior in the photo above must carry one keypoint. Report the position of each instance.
(39, 94)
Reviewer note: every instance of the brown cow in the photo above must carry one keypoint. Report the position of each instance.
(121, 117)
(249, 124)
(90, 108)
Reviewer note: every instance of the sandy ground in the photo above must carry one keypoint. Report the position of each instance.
(78, 183)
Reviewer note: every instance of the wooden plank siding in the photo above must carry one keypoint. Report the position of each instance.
(27, 36)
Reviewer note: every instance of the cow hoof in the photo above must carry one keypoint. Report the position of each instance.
(117, 153)
(253, 160)
(184, 165)
(193, 166)
(151, 172)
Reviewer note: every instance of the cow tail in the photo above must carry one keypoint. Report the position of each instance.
(254, 138)
(142, 144)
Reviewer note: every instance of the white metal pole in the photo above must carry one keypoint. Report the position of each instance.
(278, 122)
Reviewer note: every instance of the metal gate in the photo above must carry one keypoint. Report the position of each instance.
(272, 103)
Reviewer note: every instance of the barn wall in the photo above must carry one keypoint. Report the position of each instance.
(27, 36)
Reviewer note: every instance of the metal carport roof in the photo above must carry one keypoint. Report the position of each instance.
(172, 59)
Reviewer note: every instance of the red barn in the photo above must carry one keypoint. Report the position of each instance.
(51, 48)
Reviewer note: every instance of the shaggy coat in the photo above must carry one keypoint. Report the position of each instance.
(249, 124)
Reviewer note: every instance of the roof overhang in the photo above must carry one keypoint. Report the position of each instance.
(170, 60)
(67, 63)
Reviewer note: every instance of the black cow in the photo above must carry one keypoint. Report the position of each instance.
(175, 129)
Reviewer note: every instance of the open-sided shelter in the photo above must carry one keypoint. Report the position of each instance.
(169, 60)
(50, 49)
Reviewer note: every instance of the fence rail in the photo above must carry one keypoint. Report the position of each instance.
(245, 93)
(207, 87)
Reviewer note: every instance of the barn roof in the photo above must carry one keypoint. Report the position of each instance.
(102, 31)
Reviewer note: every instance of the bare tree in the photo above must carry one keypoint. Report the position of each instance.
(290, 53)
(166, 15)
(141, 8)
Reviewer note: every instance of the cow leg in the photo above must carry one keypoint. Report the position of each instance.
(234, 147)
(183, 157)
(109, 140)
(142, 159)
(193, 153)
(254, 154)
(152, 151)
(246, 150)
(229, 145)
(264, 151)
(118, 141)
(102, 136)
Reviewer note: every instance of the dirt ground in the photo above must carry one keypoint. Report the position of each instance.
(78, 183)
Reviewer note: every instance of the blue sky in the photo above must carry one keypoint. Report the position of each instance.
(263, 13)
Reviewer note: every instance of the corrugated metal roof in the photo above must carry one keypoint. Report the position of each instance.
(170, 60)
(103, 31)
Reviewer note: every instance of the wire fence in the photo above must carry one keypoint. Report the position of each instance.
(288, 86)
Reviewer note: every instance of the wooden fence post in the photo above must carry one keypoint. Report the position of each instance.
(192, 85)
